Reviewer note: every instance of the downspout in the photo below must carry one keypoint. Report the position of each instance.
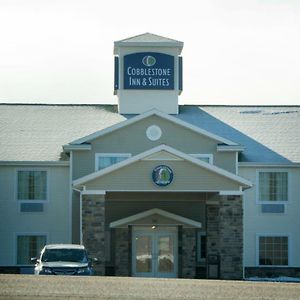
(80, 220)
(80, 214)
(71, 198)
(243, 235)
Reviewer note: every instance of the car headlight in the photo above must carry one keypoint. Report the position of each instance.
(47, 270)
(83, 270)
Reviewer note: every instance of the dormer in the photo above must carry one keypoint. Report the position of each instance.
(148, 74)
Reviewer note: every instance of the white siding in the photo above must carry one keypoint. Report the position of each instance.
(256, 222)
(54, 221)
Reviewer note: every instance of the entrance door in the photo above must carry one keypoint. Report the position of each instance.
(154, 252)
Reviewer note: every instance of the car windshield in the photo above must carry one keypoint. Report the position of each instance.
(73, 255)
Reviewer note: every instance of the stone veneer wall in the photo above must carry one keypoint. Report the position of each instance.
(225, 235)
(188, 253)
(212, 229)
(231, 237)
(93, 222)
(122, 252)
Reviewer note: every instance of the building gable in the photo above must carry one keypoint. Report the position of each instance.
(190, 174)
(143, 132)
(162, 217)
(95, 135)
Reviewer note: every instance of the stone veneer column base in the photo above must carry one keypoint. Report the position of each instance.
(122, 252)
(188, 253)
(231, 237)
(93, 222)
(225, 235)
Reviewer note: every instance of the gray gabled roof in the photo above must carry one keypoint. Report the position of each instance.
(147, 39)
(268, 133)
(37, 132)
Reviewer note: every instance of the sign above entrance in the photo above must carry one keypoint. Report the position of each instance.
(162, 175)
(149, 71)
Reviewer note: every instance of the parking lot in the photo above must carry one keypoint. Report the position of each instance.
(62, 287)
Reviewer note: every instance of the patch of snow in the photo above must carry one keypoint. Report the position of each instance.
(274, 279)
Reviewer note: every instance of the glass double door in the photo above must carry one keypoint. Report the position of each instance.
(154, 252)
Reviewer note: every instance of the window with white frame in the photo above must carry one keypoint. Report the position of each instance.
(272, 186)
(29, 246)
(32, 185)
(104, 160)
(273, 250)
(201, 246)
(208, 158)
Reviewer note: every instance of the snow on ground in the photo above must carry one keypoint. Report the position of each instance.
(275, 279)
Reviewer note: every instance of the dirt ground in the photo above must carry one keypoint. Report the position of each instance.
(63, 287)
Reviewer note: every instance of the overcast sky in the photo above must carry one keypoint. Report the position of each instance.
(238, 52)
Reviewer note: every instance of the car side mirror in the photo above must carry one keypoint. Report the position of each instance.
(34, 260)
(92, 260)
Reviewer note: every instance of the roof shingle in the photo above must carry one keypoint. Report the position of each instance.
(37, 132)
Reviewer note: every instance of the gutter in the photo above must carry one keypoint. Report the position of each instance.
(35, 163)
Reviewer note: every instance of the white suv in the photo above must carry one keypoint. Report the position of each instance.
(63, 259)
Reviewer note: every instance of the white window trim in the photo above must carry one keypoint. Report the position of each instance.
(288, 186)
(288, 235)
(29, 200)
(46, 234)
(209, 156)
(199, 235)
(97, 155)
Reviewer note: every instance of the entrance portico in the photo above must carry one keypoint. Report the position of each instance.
(141, 225)
(137, 243)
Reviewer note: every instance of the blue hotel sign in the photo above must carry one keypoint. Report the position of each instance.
(149, 71)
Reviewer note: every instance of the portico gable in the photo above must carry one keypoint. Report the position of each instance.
(189, 174)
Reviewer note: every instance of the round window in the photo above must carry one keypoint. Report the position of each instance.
(153, 132)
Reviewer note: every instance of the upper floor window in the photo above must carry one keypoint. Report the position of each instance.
(208, 158)
(104, 160)
(32, 185)
(272, 186)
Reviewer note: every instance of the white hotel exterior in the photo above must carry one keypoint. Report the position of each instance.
(152, 188)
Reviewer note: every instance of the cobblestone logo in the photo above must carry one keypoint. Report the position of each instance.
(162, 175)
(149, 61)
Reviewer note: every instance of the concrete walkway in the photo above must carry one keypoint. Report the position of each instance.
(62, 287)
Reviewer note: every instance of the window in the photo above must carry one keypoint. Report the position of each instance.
(29, 246)
(208, 158)
(32, 185)
(201, 246)
(65, 254)
(273, 250)
(272, 186)
(104, 160)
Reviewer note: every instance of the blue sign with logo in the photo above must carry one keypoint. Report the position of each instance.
(149, 71)
(162, 175)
